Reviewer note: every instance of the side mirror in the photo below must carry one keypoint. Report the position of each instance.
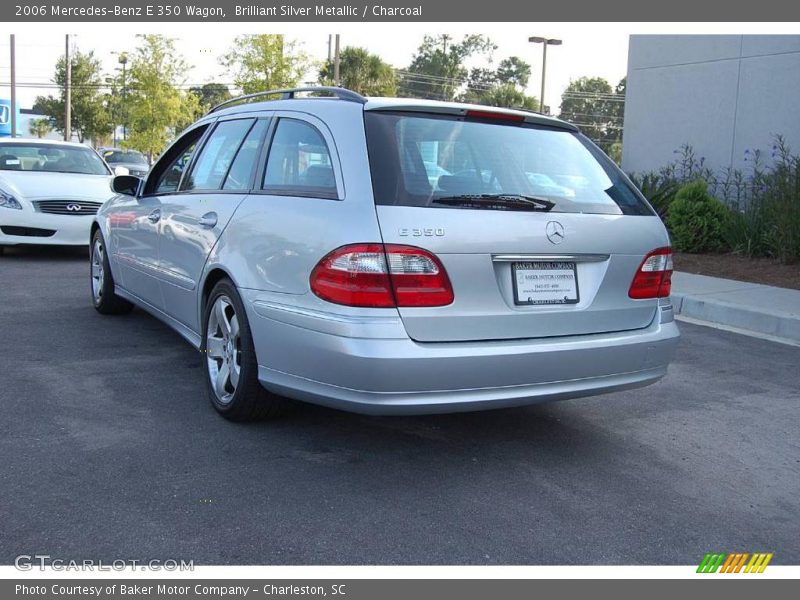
(126, 184)
(121, 171)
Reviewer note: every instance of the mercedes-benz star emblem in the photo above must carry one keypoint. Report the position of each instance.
(77, 208)
(555, 232)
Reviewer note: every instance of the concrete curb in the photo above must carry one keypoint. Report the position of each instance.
(731, 315)
(760, 309)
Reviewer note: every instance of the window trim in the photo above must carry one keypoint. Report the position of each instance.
(300, 191)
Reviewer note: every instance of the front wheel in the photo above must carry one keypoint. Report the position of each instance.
(103, 297)
(230, 360)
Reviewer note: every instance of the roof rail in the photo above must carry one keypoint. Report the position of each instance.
(288, 94)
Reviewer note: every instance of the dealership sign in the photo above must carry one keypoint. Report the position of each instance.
(5, 117)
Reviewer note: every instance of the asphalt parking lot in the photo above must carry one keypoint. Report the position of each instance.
(109, 449)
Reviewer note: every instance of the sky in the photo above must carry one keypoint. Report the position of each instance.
(593, 52)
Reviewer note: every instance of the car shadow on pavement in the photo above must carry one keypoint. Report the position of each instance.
(45, 253)
(541, 430)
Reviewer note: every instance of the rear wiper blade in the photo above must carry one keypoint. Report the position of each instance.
(498, 201)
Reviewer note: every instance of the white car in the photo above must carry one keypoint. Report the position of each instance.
(50, 191)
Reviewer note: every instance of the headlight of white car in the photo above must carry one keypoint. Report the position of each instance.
(8, 201)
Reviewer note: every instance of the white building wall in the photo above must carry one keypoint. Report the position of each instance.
(721, 94)
(24, 128)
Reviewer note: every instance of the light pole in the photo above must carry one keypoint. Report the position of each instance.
(122, 58)
(545, 43)
(113, 108)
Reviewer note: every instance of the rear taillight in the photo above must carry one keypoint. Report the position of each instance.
(418, 277)
(653, 279)
(381, 276)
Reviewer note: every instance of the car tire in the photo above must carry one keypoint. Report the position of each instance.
(229, 360)
(102, 282)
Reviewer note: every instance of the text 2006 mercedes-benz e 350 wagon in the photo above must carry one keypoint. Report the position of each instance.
(391, 256)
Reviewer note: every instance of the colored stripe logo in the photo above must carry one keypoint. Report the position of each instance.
(735, 562)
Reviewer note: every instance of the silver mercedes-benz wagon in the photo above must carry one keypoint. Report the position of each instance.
(391, 256)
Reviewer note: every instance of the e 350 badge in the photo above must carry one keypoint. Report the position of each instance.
(420, 232)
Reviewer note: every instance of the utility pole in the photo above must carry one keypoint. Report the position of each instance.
(13, 88)
(336, 80)
(330, 48)
(67, 94)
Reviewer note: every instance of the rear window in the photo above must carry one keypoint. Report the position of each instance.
(448, 162)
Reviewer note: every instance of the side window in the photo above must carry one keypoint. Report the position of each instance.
(217, 155)
(166, 174)
(299, 162)
(238, 177)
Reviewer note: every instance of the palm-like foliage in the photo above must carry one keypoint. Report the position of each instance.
(362, 72)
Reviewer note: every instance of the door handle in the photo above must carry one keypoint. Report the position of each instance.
(208, 220)
(154, 216)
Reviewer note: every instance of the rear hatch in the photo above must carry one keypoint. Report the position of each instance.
(539, 232)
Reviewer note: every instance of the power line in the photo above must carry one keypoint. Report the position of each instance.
(593, 115)
(614, 127)
(102, 86)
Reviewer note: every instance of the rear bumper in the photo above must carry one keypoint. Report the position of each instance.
(68, 230)
(370, 366)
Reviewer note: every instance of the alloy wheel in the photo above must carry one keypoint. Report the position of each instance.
(223, 349)
(98, 273)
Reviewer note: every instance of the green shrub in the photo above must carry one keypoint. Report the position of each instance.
(768, 220)
(697, 221)
(658, 188)
(763, 200)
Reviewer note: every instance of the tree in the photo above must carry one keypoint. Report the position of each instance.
(514, 71)
(508, 96)
(437, 69)
(481, 80)
(265, 62)
(591, 103)
(210, 94)
(502, 87)
(89, 115)
(362, 72)
(157, 109)
(40, 127)
(617, 108)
